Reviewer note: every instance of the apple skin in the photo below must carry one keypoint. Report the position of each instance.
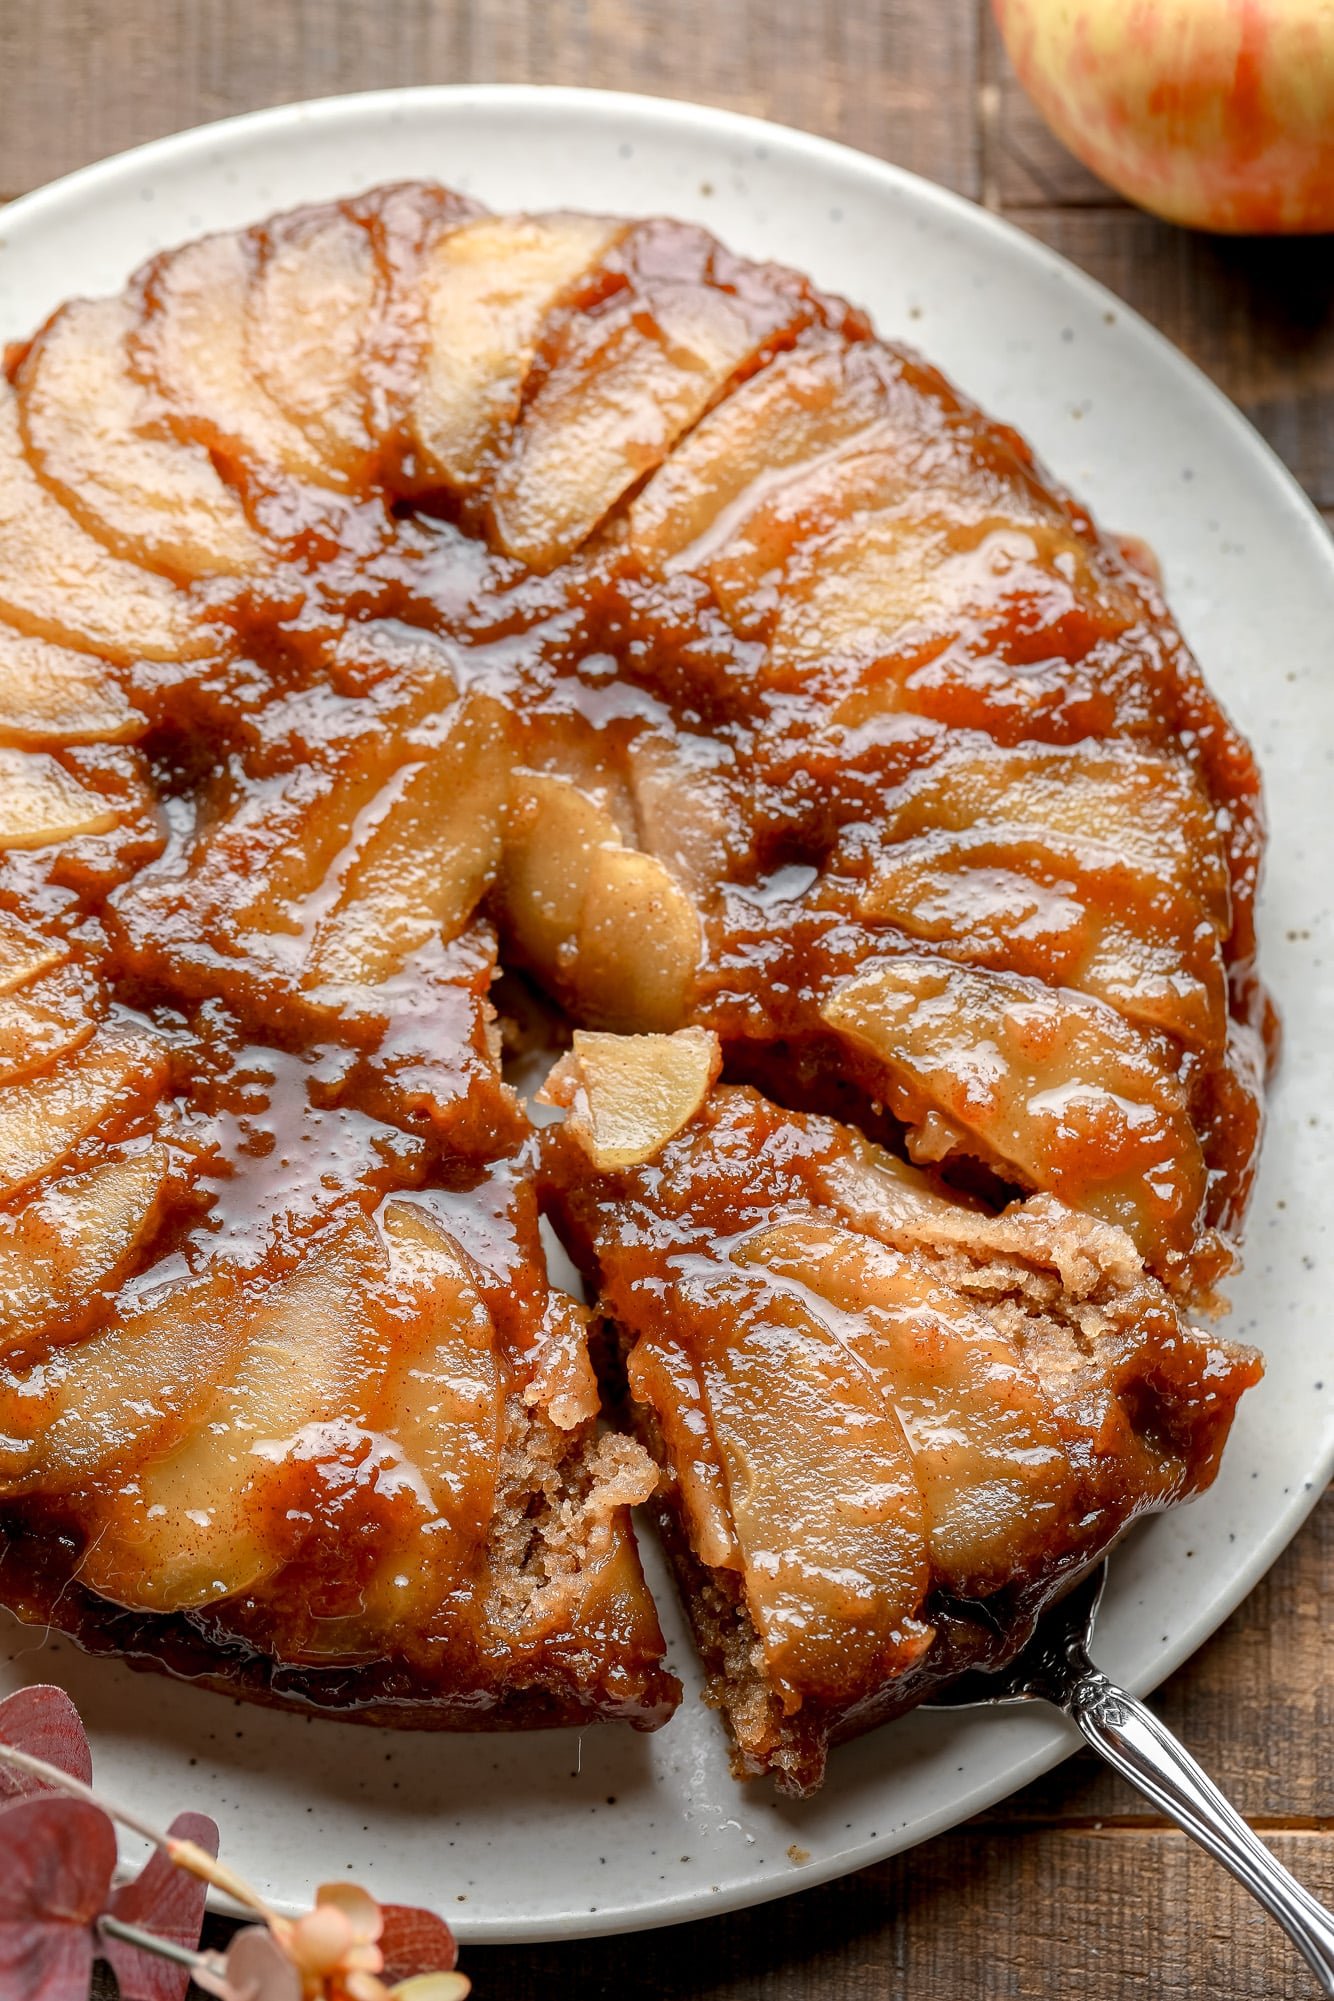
(1214, 113)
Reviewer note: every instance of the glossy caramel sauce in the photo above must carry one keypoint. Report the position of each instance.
(393, 591)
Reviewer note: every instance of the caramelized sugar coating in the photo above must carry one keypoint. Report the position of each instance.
(396, 589)
(893, 1424)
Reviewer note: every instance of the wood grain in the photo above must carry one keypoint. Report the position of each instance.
(985, 1914)
(1072, 1888)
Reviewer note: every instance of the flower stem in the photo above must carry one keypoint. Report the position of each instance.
(165, 1948)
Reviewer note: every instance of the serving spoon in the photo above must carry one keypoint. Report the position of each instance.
(1055, 1667)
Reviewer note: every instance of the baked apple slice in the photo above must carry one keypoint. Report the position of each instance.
(100, 1087)
(405, 221)
(51, 695)
(82, 1418)
(65, 1249)
(60, 583)
(1092, 803)
(430, 1047)
(1097, 869)
(439, 1393)
(791, 416)
(664, 1382)
(43, 805)
(826, 1511)
(326, 859)
(1048, 1086)
(867, 588)
(336, 324)
(256, 865)
(620, 383)
(639, 943)
(627, 1095)
(47, 1019)
(427, 856)
(608, 928)
(785, 527)
(895, 588)
(26, 953)
(190, 345)
(686, 805)
(488, 288)
(875, 1192)
(1003, 902)
(211, 1517)
(87, 419)
(997, 1486)
(553, 828)
(309, 322)
(276, 820)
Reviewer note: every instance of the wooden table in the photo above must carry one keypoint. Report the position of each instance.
(1071, 1888)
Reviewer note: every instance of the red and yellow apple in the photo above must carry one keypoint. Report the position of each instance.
(1214, 113)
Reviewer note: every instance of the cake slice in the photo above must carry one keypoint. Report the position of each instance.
(891, 1424)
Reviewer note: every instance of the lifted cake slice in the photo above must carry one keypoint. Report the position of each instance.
(892, 1425)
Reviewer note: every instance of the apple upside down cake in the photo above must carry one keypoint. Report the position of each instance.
(394, 591)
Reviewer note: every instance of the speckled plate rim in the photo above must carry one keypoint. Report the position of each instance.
(1056, 348)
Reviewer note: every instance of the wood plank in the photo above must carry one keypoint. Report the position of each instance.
(1257, 314)
(898, 78)
(995, 1914)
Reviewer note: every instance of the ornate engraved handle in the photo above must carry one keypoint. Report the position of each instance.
(1143, 1750)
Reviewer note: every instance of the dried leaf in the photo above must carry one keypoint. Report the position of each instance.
(50, 1963)
(414, 1941)
(42, 1721)
(169, 1903)
(56, 1859)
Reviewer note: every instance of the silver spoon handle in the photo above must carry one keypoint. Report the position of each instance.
(1143, 1750)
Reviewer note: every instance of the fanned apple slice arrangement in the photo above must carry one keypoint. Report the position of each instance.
(415, 622)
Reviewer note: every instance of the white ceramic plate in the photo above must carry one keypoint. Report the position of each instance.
(558, 1835)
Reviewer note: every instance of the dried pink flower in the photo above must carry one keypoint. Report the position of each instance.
(333, 1953)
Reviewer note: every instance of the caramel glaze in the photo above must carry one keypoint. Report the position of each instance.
(682, 596)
